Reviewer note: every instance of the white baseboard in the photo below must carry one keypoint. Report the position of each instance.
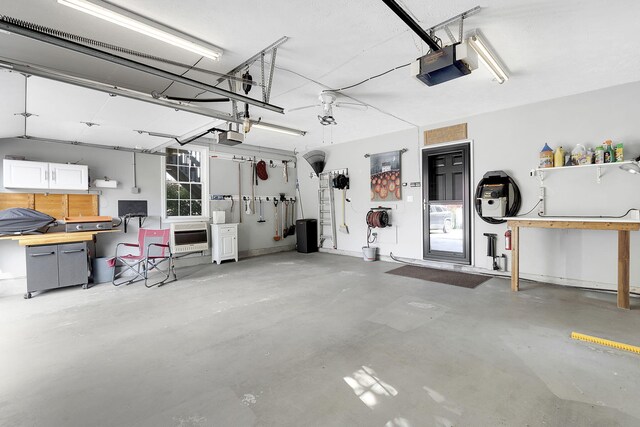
(206, 259)
(472, 269)
(265, 251)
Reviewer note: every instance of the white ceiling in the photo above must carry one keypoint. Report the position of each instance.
(550, 48)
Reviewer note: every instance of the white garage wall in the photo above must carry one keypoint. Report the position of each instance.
(253, 237)
(510, 140)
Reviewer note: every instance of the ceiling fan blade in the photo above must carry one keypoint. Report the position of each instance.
(302, 108)
(353, 105)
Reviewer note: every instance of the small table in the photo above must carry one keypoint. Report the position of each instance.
(622, 226)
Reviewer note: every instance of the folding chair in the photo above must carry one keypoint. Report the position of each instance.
(153, 252)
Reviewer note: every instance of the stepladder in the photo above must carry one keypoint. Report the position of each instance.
(326, 211)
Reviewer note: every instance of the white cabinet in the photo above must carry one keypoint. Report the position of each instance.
(68, 177)
(224, 242)
(40, 175)
(21, 174)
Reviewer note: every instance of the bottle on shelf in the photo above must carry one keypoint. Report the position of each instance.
(599, 156)
(609, 156)
(546, 157)
(558, 157)
(590, 154)
(619, 152)
(578, 155)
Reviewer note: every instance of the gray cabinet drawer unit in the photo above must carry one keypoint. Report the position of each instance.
(42, 267)
(56, 266)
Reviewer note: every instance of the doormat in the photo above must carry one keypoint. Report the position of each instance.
(446, 277)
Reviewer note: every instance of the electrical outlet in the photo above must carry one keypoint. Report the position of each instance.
(541, 202)
(135, 190)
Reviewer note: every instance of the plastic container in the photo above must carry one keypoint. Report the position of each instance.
(590, 154)
(599, 155)
(103, 269)
(369, 253)
(579, 155)
(609, 155)
(218, 217)
(558, 157)
(619, 153)
(546, 157)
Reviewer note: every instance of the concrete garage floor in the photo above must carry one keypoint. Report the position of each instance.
(295, 340)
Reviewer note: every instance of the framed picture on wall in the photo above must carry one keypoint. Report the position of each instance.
(385, 176)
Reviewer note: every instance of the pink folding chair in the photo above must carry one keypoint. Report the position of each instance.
(153, 251)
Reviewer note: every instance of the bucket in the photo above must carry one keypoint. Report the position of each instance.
(102, 270)
(369, 254)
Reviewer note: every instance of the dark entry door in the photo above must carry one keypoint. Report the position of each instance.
(446, 204)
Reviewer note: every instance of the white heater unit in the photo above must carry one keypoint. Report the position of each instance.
(189, 237)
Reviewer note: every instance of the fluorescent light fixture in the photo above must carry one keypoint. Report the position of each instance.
(488, 59)
(277, 128)
(144, 26)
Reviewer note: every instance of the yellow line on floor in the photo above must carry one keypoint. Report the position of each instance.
(608, 343)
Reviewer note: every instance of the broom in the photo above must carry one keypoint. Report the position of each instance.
(343, 228)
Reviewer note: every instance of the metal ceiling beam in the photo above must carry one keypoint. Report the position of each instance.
(34, 70)
(102, 87)
(135, 65)
(84, 144)
(420, 32)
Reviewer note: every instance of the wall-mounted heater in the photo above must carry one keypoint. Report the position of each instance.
(189, 237)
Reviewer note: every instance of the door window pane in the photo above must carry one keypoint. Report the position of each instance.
(446, 232)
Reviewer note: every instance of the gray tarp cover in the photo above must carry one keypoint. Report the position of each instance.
(21, 220)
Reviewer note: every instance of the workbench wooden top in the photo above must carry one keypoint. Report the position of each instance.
(55, 238)
(577, 223)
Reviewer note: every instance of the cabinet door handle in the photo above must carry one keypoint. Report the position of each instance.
(43, 254)
(74, 251)
(53, 176)
(46, 175)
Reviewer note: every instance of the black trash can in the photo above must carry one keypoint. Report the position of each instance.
(307, 235)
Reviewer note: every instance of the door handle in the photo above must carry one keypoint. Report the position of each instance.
(75, 251)
(43, 254)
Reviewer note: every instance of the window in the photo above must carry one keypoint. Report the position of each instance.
(185, 183)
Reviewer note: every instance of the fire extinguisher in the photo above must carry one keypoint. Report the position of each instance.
(507, 240)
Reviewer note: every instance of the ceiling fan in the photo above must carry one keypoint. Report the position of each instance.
(327, 102)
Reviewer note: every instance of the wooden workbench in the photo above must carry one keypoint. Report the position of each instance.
(622, 226)
(56, 238)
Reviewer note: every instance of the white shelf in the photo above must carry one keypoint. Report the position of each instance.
(540, 172)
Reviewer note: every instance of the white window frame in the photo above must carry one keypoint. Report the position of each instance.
(204, 170)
